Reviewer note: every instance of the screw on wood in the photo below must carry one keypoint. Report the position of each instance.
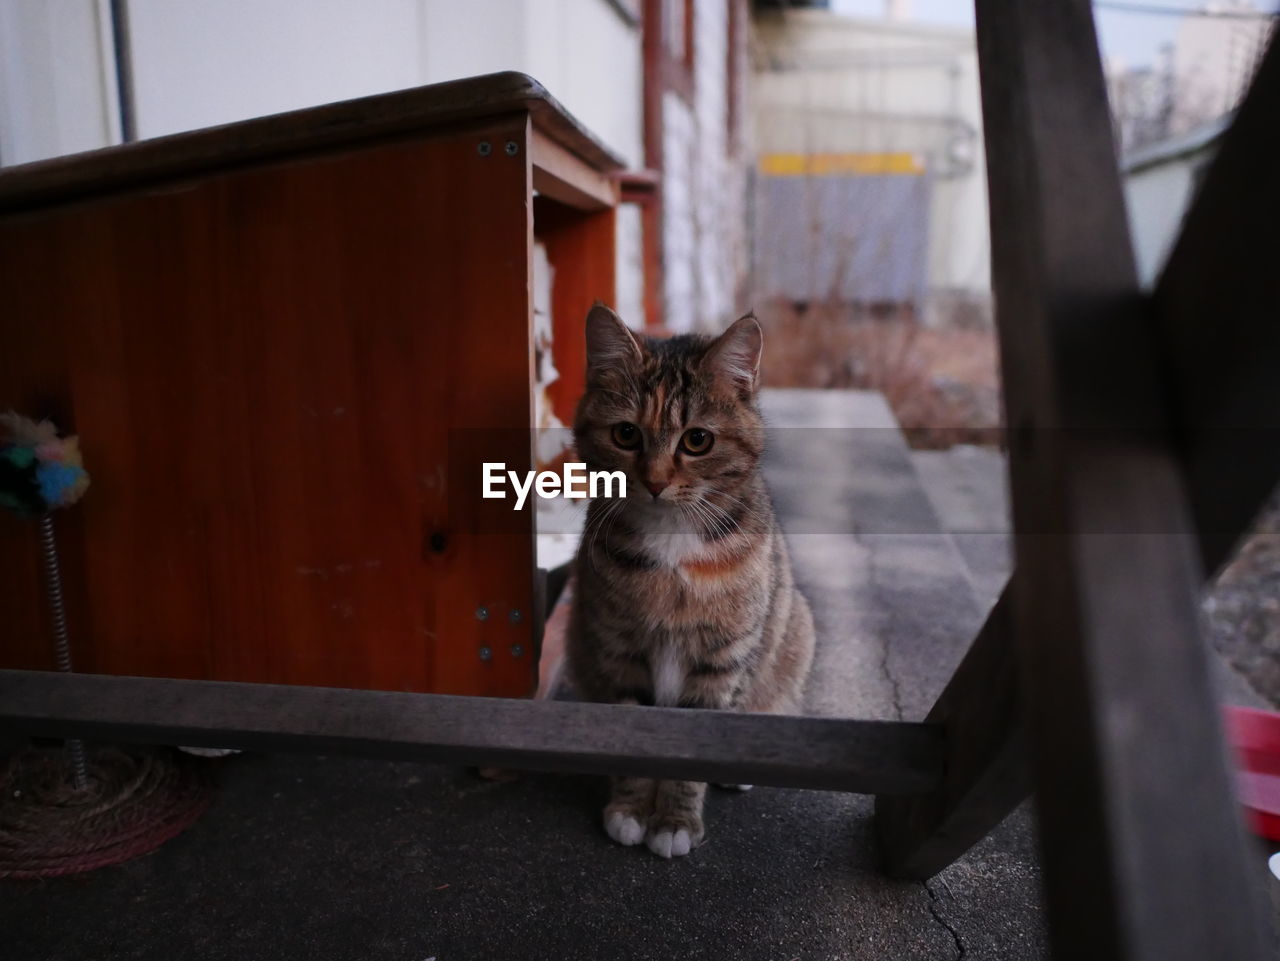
(485, 653)
(484, 148)
(513, 148)
(482, 613)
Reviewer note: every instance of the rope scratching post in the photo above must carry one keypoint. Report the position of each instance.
(65, 812)
(134, 801)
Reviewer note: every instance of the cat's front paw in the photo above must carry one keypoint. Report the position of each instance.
(623, 826)
(674, 838)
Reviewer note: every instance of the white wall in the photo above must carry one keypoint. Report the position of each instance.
(57, 86)
(705, 244)
(198, 63)
(205, 62)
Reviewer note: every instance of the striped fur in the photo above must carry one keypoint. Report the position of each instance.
(685, 596)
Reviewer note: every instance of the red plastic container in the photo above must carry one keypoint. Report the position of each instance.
(1255, 735)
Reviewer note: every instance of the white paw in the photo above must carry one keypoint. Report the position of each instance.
(623, 828)
(666, 844)
(736, 787)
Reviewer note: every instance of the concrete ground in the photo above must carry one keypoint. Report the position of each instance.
(329, 858)
(346, 860)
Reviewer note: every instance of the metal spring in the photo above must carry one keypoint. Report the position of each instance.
(61, 636)
(53, 591)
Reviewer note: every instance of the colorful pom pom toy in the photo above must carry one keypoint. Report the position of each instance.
(39, 471)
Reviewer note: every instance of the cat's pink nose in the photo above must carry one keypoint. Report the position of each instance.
(655, 488)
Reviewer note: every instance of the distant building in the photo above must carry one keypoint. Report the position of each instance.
(1141, 103)
(1160, 182)
(1214, 59)
(871, 181)
(1169, 119)
(1201, 75)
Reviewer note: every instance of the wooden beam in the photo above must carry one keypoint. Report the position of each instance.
(871, 757)
(1142, 839)
(580, 247)
(987, 769)
(417, 111)
(561, 175)
(1216, 307)
(637, 186)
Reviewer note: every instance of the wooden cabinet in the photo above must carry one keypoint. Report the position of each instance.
(286, 345)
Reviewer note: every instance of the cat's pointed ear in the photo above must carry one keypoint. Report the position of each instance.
(610, 343)
(735, 354)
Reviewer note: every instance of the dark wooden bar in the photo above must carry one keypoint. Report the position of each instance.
(865, 757)
(367, 120)
(1217, 307)
(1142, 841)
(987, 770)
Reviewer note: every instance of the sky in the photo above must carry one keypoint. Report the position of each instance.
(1133, 39)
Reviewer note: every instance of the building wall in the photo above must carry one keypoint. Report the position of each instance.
(57, 86)
(207, 62)
(1202, 75)
(830, 84)
(1213, 62)
(704, 179)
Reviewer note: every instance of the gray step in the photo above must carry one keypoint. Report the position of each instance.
(894, 607)
(895, 611)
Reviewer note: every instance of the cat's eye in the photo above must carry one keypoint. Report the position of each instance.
(696, 441)
(626, 436)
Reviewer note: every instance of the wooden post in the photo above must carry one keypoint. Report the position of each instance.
(1216, 308)
(987, 774)
(1142, 840)
(1221, 364)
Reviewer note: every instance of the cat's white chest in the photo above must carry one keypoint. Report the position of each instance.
(668, 677)
(673, 548)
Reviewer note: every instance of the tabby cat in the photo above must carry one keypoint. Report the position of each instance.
(685, 596)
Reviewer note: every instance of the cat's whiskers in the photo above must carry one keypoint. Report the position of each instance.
(614, 513)
(724, 523)
(727, 520)
(706, 519)
(749, 510)
(602, 518)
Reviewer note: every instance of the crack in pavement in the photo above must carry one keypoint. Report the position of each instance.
(937, 916)
(888, 621)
